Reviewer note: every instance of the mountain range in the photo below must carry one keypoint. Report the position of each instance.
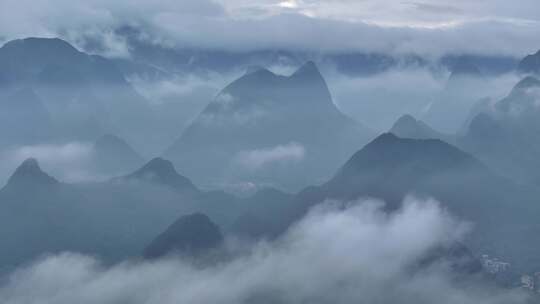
(391, 168)
(114, 219)
(269, 128)
(68, 94)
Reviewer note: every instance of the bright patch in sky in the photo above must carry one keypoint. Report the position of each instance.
(288, 4)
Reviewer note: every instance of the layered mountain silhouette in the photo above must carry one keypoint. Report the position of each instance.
(191, 235)
(259, 114)
(85, 95)
(38, 215)
(409, 127)
(118, 218)
(114, 219)
(505, 134)
(392, 168)
(162, 172)
(29, 174)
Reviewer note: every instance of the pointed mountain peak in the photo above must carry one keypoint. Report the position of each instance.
(405, 121)
(161, 171)
(388, 155)
(191, 235)
(29, 173)
(254, 76)
(158, 166)
(308, 69)
(391, 141)
(409, 127)
(384, 139)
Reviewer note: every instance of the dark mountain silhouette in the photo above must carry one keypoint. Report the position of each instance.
(40, 215)
(409, 127)
(29, 174)
(114, 219)
(262, 111)
(391, 168)
(113, 156)
(191, 235)
(161, 171)
(530, 64)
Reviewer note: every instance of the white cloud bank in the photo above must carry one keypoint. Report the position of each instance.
(356, 254)
(256, 159)
(424, 27)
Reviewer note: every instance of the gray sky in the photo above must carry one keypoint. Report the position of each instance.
(425, 26)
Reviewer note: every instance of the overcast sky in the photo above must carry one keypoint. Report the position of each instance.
(394, 26)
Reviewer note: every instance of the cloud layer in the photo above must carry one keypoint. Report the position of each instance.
(256, 159)
(426, 27)
(338, 254)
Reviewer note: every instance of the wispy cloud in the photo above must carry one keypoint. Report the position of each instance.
(258, 158)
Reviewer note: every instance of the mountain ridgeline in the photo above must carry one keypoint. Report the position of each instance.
(280, 137)
(256, 118)
(66, 94)
(115, 219)
(391, 168)
(191, 235)
(506, 134)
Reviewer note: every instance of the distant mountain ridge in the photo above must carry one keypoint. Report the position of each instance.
(262, 110)
(409, 127)
(85, 95)
(114, 219)
(390, 168)
(161, 171)
(505, 134)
